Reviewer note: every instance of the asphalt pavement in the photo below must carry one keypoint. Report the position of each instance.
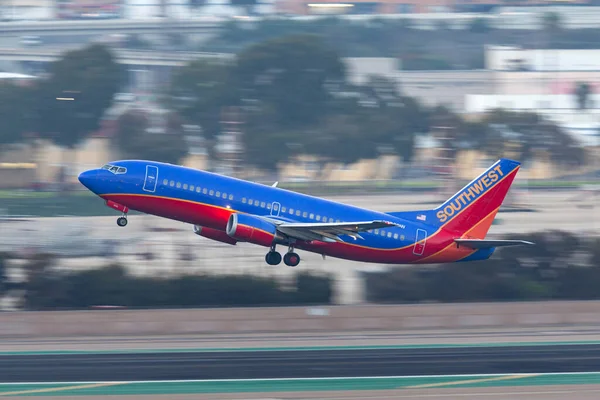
(298, 364)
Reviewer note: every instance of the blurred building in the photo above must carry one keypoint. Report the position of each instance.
(20, 79)
(545, 81)
(409, 6)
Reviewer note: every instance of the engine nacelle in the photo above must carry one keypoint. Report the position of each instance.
(214, 234)
(247, 228)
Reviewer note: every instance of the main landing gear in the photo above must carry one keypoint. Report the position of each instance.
(291, 259)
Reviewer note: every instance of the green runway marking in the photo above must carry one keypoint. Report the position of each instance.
(297, 348)
(294, 385)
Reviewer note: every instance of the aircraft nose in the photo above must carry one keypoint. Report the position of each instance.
(87, 177)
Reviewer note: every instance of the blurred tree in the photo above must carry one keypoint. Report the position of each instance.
(248, 5)
(17, 114)
(196, 4)
(295, 75)
(73, 99)
(135, 138)
(582, 93)
(501, 133)
(560, 266)
(287, 86)
(551, 22)
(479, 25)
(200, 91)
(524, 135)
(3, 277)
(456, 133)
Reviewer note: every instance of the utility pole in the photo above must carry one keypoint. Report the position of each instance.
(444, 161)
(230, 146)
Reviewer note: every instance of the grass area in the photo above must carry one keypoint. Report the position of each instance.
(54, 205)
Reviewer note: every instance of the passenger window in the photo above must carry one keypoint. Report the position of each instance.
(401, 237)
(389, 234)
(218, 194)
(298, 213)
(172, 183)
(185, 186)
(244, 200)
(211, 192)
(165, 182)
(192, 187)
(268, 206)
(291, 211)
(230, 197)
(262, 204)
(178, 185)
(198, 189)
(204, 191)
(312, 216)
(224, 195)
(318, 218)
(338, 221)
(377, 231)
(305, 214)
(283, 209)
(395, 236)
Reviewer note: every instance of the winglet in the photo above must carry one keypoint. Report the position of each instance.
(275, 184)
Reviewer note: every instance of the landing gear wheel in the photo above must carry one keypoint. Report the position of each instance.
(122, 221)
(291, 259)
(273, 258)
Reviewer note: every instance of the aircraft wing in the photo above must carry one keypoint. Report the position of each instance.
(330, 231)
(486, 244)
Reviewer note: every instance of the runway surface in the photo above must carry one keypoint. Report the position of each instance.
(202, 365)
(521, 386)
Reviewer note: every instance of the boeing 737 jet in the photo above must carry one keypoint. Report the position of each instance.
(231, 210)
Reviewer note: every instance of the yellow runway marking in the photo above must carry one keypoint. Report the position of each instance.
(497, 378)
(62, 388)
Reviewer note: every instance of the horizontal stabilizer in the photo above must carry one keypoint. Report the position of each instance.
(486, 244)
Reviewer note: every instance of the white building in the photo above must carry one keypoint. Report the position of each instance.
(510, 58)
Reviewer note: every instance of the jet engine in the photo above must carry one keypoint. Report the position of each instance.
(251, 229)
(214, 234)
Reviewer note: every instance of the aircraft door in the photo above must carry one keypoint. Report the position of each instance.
(420, 241)
(151, 178)
(275, 208)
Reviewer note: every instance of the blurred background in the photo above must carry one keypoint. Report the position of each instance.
(391, 105)
(384, 105)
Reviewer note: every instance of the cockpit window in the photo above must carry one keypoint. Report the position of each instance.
(115, 169)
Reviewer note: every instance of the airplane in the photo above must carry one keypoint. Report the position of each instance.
(232, 210)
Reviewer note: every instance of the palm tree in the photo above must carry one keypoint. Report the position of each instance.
(582, 92)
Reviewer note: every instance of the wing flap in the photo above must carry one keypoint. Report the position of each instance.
(330, 231)
(486, 244)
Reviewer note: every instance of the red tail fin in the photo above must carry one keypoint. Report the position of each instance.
(471, 211)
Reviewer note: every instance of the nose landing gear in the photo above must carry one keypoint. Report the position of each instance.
(122, 221)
